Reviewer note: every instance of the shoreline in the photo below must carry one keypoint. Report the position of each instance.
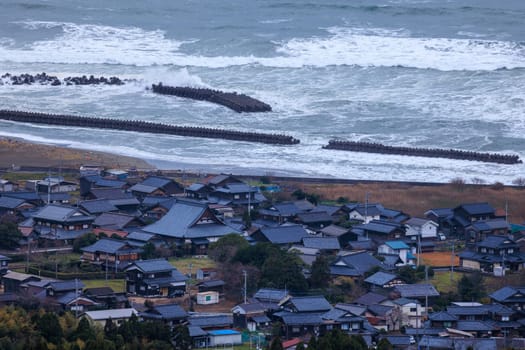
(16, 153)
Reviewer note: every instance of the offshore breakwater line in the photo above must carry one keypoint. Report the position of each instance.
(370, 147)
(143, 126)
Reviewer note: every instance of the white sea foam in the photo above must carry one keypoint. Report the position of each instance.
(367, 47)
(352, 46)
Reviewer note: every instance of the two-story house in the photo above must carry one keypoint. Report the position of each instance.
(61, 224)
(111, 253)
(494, 252)
(191, 225)
(379, 230)
(155, 277)
(465, 214)
(400, 250)
(421, 228)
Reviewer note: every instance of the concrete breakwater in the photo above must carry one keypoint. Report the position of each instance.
(237, 102)
(370, 147)
(143, 126)
(46, 79)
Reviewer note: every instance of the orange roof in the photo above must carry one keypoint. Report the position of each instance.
(292, 342)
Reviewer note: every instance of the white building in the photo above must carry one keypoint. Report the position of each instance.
(423, 228)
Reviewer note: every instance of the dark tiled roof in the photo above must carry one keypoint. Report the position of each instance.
(59, 213)
(330, 243)
(140, 236)
(110, 193)
(292, 318)
(370, 298)
(361, 262)
(440, 212)
(211, 321)
(506, 292)
(474, 326)
(379, 310)
(165, 312)
(477, 208)
(334, 230)
(310, 304)
(113, 220)
(314, 217)
(490, 225)
(107, 245)
(153, 265)
(398, 340)
(212, 283)
(61, 286)
(181, 222)
(157, 181)
(268, 294)
(417, 290)
(380, 278)
(442, 316)
(10, 203)
(98, 206)
(284, 234)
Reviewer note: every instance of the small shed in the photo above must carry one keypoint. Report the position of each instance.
(224, 337)
(206, 298)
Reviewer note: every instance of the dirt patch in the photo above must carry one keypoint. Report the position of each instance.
(439, 259)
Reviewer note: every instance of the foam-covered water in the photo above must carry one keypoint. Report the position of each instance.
(406, 73)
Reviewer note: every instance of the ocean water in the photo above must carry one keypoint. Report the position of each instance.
(422, 73)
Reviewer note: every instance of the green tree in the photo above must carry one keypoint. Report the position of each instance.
(320, 272)
(313, 344)
(471, 287)
(10, 235)
(284, 270)
(226, 247)
(84, 331)
(49, 327)
(276, 344)
(300, 346)
(181, 338)
(384, 344)
(84, 241)
(148, 251)
(110, 330)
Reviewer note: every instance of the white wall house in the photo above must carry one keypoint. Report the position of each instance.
(398, 248)
(421, 227)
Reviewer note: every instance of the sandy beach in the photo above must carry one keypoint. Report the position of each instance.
(16, 153)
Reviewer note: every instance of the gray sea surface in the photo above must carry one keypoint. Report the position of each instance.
(418, 73)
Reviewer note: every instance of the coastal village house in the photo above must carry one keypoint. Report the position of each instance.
(155, 277)
(191, 225)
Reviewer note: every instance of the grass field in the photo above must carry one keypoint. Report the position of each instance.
(118, 285)
(442, 282)
(183, 264)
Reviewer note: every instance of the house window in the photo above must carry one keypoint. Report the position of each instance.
(355, 325)
(447, 324)
(236, 196)
(505, 318)
(413, 309)
(510, 251)
(344, 326)
(71, 227)
(329, 327)
(296, 329)
(483, 250)
(85, 226)
(471, 318)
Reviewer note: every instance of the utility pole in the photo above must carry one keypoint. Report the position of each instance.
(452, 261)
(245, 274)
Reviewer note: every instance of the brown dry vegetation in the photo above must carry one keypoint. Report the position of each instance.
(415, 199)
(438, 259)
